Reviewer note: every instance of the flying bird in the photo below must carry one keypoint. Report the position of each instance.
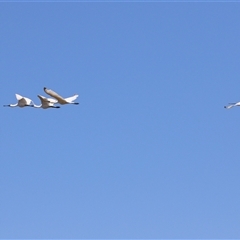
(46, 103)
(60, 99)
(22, 102)
(237, 104)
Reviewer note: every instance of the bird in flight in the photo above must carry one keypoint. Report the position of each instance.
(237, 104)
(60, 99)
(21, 102)
(46, 103)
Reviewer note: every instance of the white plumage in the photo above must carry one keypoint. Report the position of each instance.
(60, 99)
(22, 102)
(46, 103)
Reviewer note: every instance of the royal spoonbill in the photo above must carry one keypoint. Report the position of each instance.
(46, 103)
(59, 98)
(237, 104)
(22, 102)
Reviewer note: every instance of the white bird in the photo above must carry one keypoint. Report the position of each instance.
(237, 104)
(46, 103)
(60, 99)
(22, 102)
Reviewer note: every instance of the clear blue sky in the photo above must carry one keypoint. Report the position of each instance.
(150, 152)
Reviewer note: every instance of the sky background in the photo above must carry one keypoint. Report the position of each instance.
(149, 152)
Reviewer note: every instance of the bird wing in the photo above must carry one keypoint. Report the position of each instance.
(46, 102)
(43, 99)
(23, 100)
(51, 100)
(18, 97)
(28, 100)
(54, 95)
(70, 99)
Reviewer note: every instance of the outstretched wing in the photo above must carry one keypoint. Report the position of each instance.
(23, 101)
(28, 101)
(43, 99)
(71, 99)
(54, 95)
(49, 100)
(18, 97)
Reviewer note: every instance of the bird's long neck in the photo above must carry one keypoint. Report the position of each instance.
(37, 106)
(10, 105)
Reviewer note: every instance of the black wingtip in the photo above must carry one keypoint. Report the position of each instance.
(44, 88)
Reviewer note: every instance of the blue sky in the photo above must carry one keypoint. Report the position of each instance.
(149, 152)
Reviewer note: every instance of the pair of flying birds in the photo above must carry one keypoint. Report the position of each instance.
(45, 102)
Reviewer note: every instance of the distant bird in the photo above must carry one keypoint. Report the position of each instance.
(237, 104)
(59, 98)
(46, 103)
(22, 102)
